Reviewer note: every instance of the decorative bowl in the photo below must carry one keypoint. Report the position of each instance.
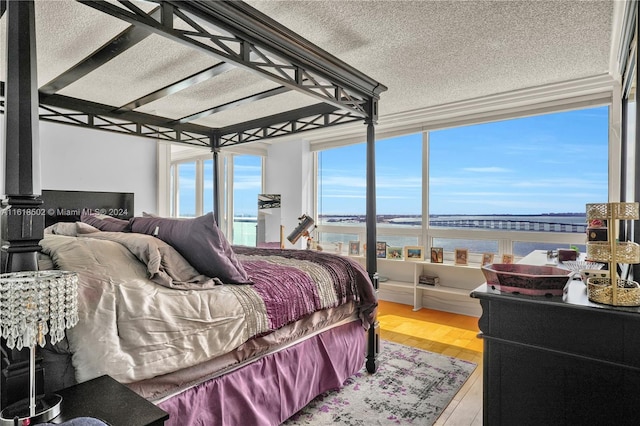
(535, 280)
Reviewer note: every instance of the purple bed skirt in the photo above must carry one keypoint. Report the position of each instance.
(272, 389)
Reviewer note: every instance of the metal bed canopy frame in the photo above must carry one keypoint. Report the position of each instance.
(245, 38)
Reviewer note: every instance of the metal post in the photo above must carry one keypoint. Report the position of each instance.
(215, 148)
(372, 266)
(23, 221)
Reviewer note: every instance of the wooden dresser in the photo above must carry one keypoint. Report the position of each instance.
(559, 360)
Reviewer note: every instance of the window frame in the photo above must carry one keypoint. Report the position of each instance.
(505, 239)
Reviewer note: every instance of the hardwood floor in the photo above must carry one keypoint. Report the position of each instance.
(445, 333)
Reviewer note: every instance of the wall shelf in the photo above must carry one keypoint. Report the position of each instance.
(452, 294)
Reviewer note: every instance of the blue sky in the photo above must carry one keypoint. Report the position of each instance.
(246, 184)
(553, 163)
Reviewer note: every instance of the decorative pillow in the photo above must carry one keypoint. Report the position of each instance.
(165, 265)
(200, 242)
(105, 223)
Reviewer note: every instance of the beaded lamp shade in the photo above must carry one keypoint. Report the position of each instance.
(32, 305)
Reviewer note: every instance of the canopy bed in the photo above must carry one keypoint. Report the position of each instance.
(200, 73)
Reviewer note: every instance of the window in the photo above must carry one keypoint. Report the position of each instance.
(342, 188)
(247, 184)
(186, 195)
(524, 175)
(342, 184)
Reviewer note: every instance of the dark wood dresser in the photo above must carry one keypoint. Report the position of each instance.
(559, 360)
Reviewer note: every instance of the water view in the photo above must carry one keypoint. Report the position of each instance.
(245, 229)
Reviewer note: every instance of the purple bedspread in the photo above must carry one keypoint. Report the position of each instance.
(296, 283)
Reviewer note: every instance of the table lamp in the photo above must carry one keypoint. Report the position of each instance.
(32, 305)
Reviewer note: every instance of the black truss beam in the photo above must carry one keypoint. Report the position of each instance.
(118, 45)
(178, 86)
(77, 112)
(300, 120)
(259, 44)
(233, 104)
(3, 7)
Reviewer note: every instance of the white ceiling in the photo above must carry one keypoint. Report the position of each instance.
(436, 52)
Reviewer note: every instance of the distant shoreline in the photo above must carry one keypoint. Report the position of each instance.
(456, 214)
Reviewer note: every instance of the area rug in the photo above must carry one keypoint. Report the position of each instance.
(411, 386)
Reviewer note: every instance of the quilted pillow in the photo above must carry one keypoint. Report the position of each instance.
(105, 223)
(201, 243)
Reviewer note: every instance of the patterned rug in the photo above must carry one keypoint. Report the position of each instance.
(411, 386)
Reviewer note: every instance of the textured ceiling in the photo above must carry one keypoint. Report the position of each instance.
(436, 52)
(427, 53)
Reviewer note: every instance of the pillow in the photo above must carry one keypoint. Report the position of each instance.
(104, 222)
(164, 264)
(200, 242)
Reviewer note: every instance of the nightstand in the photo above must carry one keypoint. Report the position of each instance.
(112, 402)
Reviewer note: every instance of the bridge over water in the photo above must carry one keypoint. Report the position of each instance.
(510, 225)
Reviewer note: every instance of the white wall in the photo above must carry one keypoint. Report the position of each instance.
(289, 172)
(80, 159)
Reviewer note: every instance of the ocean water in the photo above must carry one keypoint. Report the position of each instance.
(245, 231)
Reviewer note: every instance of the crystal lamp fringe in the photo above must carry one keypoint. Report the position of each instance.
(32, 305)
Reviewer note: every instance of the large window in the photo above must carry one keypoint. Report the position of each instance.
(527, 174)
(532, 174)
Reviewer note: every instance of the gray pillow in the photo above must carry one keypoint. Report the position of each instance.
(200, 242)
